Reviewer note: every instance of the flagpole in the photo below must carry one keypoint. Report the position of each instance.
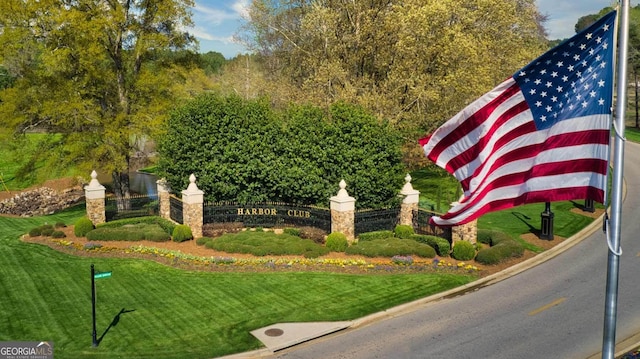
(613, 229)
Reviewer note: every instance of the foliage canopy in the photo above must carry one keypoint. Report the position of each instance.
(93, 72)
(242, 150)
(413, 62)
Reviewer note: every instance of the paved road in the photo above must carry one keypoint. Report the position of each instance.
(554, 310)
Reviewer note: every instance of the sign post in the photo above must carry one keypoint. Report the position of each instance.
(94, 334)
(94, 276)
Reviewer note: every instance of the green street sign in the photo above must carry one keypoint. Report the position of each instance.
(102, 275)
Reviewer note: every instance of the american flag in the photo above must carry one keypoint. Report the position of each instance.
(540, 136)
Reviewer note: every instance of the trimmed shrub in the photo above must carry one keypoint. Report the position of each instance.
(82, 227)
(292, 231)
(441, 245)
(267, 243)
(491, 237)
(182, 233)
(60, 225)
(391, 247)
(501, 251)
(370, 236)
(337, 242)
(129, 232)
(403, 231)
(166, 225)
(156, 236)
(35, 232)
(203, 240)
(58, 234)
(463, 251)
(46, 231)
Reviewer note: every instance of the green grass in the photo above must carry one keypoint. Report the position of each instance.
(17, 171)
(168, 312)
(437, 188)
(513, 221)
(632, 134)
(526, 219)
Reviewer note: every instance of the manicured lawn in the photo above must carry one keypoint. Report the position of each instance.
(18, 172)
(172, 313)
(513, 221)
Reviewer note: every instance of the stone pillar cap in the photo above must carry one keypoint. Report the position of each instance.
(193, 187)
(410, 195)
(94, 184)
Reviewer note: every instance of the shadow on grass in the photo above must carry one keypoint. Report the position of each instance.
(583, 206)
(114, 322)
(525, 219)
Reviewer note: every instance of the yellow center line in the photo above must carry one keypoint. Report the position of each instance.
(545, 307)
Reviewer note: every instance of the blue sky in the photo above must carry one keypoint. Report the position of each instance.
(216, 21)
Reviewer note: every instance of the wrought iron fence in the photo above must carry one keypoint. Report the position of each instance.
(175, 209)
(369, 220)
(131, 206)
(421, 224)
(267, 214)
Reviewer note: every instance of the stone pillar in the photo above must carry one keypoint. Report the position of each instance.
(164, 205)
(193, 207)
(94, 193)
(343, 209)
(466, 232)
(410, 200)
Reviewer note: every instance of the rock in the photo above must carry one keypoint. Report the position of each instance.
(41, 201)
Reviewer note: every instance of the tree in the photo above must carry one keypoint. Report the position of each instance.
(92, 73)
(413, 62)
(242, 150)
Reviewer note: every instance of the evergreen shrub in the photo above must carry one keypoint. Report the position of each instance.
(403, 231)
(337, 242)
(463, 251)
(370, 236)
(203, 240)
(58, 234)
(47, 231)
(501, 251)
(292, 231)
(82, 227)
(35, 232)
(182, 233)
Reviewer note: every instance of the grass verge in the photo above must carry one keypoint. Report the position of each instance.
(149, 310)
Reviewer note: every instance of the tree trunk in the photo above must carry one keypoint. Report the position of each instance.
(121, 190)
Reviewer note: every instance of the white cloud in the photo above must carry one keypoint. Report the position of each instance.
(211, 15)
(241, 7)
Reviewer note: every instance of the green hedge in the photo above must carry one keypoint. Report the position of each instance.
(181, 233)
(266, 243)
(391, 247)
(491, 237)
(370, 236)
(221, 139)
(441, 245)
(129, 232)
(403, 231)
(166, 225)
(499, 252)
